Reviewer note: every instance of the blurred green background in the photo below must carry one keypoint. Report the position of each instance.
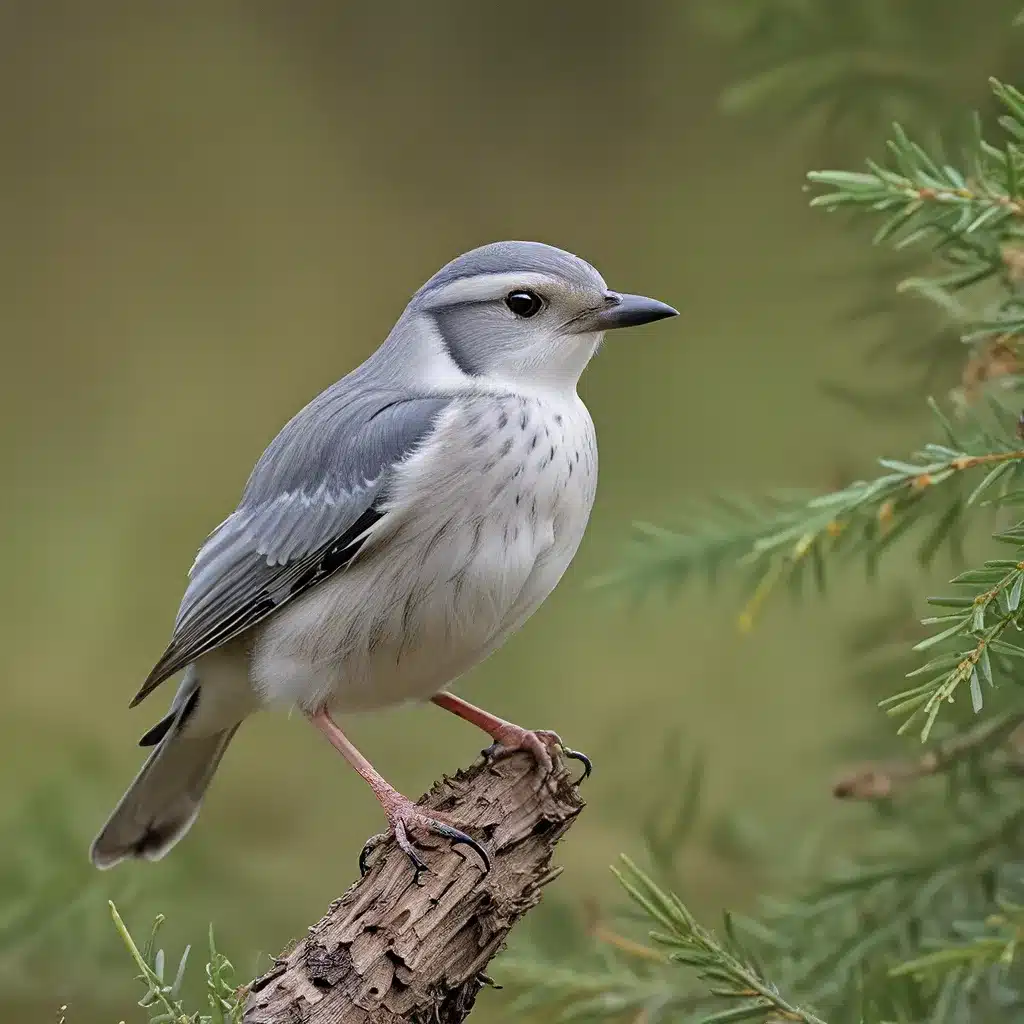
(212, 211)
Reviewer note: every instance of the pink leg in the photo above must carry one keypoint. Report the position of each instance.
(401, 812)
(508, 737)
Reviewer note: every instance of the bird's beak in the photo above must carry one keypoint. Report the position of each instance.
(622, 310)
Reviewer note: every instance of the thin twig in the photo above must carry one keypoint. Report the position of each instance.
(879, 781)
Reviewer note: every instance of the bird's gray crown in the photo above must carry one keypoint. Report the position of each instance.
(516, 257)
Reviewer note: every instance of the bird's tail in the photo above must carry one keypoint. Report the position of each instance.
(164, 799)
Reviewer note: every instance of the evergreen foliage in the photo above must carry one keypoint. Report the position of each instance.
(923, 920)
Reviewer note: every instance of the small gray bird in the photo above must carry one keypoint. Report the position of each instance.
(396, 532)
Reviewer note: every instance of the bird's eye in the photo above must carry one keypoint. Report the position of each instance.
(524, 304)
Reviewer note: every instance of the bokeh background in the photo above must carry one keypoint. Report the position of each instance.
(210, 212)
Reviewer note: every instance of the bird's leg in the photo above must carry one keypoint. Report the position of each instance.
(401, 812)
(509, 737)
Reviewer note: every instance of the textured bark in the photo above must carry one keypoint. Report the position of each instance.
(389, 950)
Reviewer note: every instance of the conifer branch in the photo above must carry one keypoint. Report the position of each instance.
(725, 968)
(776, 540)
(972, 637)
(881, 781)
(970, 215)
(994, 944)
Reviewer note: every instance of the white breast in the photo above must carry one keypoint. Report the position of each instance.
(482, 523)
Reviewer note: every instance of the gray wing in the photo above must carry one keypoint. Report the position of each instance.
(304, 513)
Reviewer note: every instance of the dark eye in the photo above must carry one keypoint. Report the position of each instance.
(524, 304)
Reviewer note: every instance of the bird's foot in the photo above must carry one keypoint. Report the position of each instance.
(539, 743)
(405, 816)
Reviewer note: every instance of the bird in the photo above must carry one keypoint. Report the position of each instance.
(395, 533)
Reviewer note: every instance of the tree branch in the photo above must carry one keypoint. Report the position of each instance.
(880, 781)
(390, 950)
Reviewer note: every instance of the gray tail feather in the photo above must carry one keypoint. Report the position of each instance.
(163, 800)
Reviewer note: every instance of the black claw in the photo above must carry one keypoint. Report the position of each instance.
(457, 837)
(418, 866)
(577, 755)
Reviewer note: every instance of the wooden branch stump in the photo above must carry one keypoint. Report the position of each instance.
(389, 950)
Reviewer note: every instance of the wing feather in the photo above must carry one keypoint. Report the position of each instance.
(305, 512)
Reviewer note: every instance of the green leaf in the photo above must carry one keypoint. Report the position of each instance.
(977, 698)
(1013, 600)
(985, 665)
(990, 478)
(939, 637)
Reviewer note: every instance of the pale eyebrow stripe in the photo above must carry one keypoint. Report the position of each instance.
(483, 288)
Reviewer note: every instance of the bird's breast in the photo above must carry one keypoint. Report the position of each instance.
(482, 522)
(503, 480)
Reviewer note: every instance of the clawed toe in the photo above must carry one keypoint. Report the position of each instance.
(508, 737)
(419, 866)
(539, 743)
(404, 819)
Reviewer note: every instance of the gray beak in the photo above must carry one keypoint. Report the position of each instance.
(624, 311)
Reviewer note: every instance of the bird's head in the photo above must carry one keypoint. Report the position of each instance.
(522, 312)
